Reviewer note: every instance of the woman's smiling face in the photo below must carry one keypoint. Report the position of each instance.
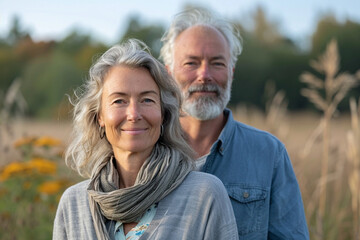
(130, 109)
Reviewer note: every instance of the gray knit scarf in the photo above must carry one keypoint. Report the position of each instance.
(160, 174)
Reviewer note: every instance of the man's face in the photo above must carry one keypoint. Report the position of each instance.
(202, 68)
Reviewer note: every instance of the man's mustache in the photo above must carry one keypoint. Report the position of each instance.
(204, 88)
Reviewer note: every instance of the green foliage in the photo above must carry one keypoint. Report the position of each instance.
(50, 70)
(149, 34)
(81, 48)
(279, 61)
(73, 43)
(49, 79)
(16, 32)
(17, 206)
(9, 67)
(347, 35)
(30, 190)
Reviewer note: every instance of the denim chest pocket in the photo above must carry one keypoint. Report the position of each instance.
(250, 207)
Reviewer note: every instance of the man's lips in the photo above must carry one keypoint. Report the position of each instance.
(204, 92)
(207, 89)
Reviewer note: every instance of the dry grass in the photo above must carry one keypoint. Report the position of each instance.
(326, 95)
(323, 147)
(353, 155)
(300, 126)
(12, 103)
(22, 128)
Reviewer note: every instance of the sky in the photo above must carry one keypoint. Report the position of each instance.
(105, 20)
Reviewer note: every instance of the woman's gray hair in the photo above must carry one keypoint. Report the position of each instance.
(86, 149)
(195, 17)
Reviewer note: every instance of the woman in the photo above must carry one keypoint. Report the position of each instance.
(128, 139)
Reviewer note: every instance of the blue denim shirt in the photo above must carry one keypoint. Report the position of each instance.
(257, 173)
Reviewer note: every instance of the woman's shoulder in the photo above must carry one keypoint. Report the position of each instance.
(200, 181)
(76, 191)
(73, 216)
(202, 178)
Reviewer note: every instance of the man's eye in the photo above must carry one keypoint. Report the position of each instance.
(219, 64)
(148, 100)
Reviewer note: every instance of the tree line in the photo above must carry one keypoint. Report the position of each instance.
(48, 70)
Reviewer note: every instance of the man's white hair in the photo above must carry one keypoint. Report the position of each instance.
(194, 17)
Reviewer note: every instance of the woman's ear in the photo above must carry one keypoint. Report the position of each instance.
(100, 120)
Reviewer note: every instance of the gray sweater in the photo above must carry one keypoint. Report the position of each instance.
(198, 209)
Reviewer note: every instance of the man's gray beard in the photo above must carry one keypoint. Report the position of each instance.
(206, 108)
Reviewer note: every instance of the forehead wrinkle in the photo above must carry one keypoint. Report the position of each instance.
(218, 57)
(141, 93)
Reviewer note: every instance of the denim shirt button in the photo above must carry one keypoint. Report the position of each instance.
(245, 194)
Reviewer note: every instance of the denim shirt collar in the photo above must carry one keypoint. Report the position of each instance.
(226, 133)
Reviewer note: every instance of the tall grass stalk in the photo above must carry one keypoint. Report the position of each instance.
(12, 104)
(326, 94)
(275, 110)
(353, 155)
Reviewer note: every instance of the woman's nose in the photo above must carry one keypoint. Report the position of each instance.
(133, 112)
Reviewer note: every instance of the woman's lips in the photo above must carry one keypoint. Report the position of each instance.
(135, 131)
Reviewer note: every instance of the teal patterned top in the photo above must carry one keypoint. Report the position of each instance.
(136, 232)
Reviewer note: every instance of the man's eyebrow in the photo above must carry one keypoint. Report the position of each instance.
(217, 57)
(192, 57)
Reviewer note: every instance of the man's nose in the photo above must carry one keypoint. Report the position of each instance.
(204, 73)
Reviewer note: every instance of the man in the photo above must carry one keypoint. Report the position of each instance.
(200, 52)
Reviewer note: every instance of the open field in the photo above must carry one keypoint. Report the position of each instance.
(294, 129)
(23, 128)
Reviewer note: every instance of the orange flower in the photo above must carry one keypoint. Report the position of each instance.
(27, 185)
(51, 187)
(13, 169)
(46, 141)
(24, 141)
(3, 192)
(42, 165)
(39, 165)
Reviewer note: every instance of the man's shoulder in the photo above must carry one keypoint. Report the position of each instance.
(236, 132)
(235, 125)
(246, 131)
(252, 130)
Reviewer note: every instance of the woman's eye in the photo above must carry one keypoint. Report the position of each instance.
(119, 101)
